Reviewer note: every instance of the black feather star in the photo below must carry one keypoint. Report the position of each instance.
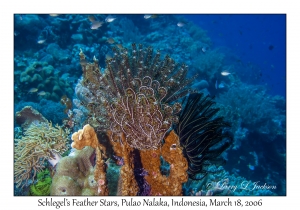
(203, 136)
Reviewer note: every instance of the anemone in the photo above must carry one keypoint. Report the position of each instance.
(203, 135)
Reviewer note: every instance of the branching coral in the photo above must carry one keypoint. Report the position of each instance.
(39, 143)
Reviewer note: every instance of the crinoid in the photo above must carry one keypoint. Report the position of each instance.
(203, 136)
(135, 95)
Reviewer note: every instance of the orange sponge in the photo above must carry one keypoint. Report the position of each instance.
(85, 137)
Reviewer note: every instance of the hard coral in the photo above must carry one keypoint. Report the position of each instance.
(87, 137)
(40, 75)
(75, 175)
(28, 115)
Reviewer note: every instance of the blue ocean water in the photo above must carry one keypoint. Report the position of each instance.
(256, 39)
(239, 59)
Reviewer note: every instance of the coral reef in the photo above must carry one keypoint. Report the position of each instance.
(258, 113)
(88, 137)
(209, 63)
(75, 174)
(39, 143)
(52, 111)
(28, 115)
(142, 92)
(79, 174)
(134, 101)
(39, 80)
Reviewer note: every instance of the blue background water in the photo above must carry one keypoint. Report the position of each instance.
(250, 37)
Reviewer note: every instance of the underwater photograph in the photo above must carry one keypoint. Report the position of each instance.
(149, 104)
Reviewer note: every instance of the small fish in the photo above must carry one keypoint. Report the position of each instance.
(216, 84)
(119, 46)
(251, 167)
(16, 33)
(96, 24)
(225, 73)
(243, 157)
(221, 85)
(39, 68)
(33, 90)
(110, 19)
(204, 49)
(110, 40)
(41, 93)
(271, 47)
(91, 18)
(180, 24)
(41, 41)
(147, 16)
(108, 56)
(21, 17)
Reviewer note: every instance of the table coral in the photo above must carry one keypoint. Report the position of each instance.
(28, 115)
